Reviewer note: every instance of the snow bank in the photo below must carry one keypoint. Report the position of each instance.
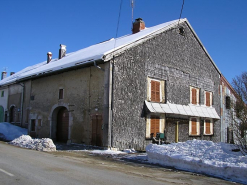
(111, 152)
(9, 132)
(25, 141)
(206, 157)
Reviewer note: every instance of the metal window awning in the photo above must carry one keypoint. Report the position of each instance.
(185, 110)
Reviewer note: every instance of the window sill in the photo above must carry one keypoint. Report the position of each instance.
(208, 134)
(195, 135)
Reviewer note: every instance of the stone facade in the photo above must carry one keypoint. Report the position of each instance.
(181, 62)
(83, 96)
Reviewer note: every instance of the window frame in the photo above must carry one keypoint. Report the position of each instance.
(161, 90)
(205, 98)
(197, 95)
(197, 126)
(210, 127)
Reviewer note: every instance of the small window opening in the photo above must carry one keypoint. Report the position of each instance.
(228, 102)
(33, 125)
(32, 97)
(181, 31)
(60, 93)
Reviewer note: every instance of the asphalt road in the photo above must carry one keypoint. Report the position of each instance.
(24, 166)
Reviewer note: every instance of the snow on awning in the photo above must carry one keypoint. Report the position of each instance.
(186, 110)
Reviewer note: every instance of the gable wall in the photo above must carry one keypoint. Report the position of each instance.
(177, 59)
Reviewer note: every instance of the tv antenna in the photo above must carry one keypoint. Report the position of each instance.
(5, 69)
(132, 6)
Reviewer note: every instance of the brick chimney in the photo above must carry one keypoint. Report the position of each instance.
(11, 73)
(4, 75)
(138, 25)
(49, 57)
(62, 51)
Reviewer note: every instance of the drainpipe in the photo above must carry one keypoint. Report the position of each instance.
(110, 107)
(98, 66)
(176, 134)
(22, 99)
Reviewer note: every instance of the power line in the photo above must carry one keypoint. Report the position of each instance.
(181, 12)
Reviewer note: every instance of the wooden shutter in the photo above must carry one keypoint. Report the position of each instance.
(155, 91)
(207, 99)
(193, 126)
(193, 96)
(207, 127)
(155, 125)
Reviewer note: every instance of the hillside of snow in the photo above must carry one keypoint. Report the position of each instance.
(206, 157)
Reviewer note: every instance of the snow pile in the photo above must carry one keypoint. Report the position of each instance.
(129, 151)
(25, 141)
(206, 157)
(111, 152)
(8, 132)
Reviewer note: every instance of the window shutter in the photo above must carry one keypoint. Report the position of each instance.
(193, 127)
(208, 99)
(155, 91)
(193, 96)
(155, 125)
(207, 127)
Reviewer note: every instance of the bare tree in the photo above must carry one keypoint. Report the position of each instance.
(239, 124)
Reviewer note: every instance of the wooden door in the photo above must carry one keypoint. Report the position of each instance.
(97, 130)
(62, 125)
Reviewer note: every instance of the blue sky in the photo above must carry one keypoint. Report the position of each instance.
(31, 28)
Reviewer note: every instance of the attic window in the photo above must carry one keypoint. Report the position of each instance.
(181, 31)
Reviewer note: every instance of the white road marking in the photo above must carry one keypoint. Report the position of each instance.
(10, 174)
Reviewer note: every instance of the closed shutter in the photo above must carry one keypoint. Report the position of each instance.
(193, 127)
(193, 96)
(155, 125)
(208, 99)
(155, 91)
(207, 127)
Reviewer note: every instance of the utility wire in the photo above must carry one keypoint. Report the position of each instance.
(120, 8)
(181, 12)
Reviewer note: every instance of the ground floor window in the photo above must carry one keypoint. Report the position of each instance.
(194, 126)
(208, 127)
(33, 124)
(154, 124)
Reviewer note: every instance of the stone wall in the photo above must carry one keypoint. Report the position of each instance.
(84, 91)
(177, 59)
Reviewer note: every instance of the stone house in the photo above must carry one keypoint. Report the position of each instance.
(122, 92)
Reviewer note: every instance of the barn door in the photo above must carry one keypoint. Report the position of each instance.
(62, 125)
(1, 114)
(97, 130)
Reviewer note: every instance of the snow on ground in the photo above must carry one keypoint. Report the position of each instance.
(206, 157)
(9, 132)
(25, 141)
(18, 137)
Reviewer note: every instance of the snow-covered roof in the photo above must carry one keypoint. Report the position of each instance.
(102, 51)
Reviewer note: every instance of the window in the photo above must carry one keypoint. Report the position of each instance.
(156, 90)
(2, 94)
(194, 95)
(60, 93)
(33, 125)
(155, 124)
(194, 127)
(208, 98)
(228, 102)
(208, 127)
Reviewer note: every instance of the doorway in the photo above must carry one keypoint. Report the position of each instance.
(97, 130)
(62, 125)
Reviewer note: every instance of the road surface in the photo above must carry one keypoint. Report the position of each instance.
(29, 167)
